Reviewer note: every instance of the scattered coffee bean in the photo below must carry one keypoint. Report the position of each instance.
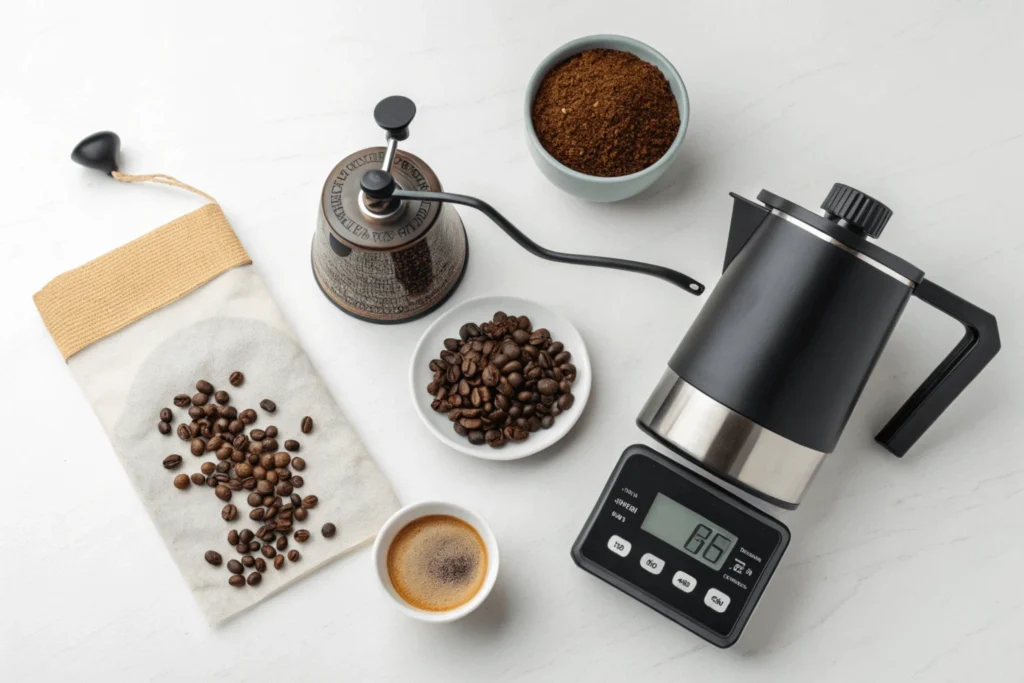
(297, 481)
(198, 447)
(294, 556)
(298, 464)
(301, 536)
(233, 537)
(213, 557)
(268, 550)
(229, 513)
(182, 400)
(198, 479)
(234, 566)
(278, 561)
(184, 433)
(236, 379)
(248, 561)
(282, 543)
(307, 425)
(166, 415)
(309, 502)
(221, 397)
(328, 530)
(236, 580)
(164, 427)
(247, 416)
(182, 482)
(271, 432)
(245, 535)
(300, 514)
(261, 564)
(268, 405)
(291, 445)
(241, 548)
(172, 462)
(256, 514)
(257, 435)
(204, 387)
(222, 492)
(269, 445)
(200, 399)
(254, 546)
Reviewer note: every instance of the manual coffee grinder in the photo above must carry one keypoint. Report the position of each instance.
(390, 248)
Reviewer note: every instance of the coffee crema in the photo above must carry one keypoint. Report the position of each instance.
(437, 562)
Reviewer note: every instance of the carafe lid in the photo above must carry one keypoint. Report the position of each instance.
(851, 217)
(352, 223)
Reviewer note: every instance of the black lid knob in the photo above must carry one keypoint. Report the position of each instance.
(863, 214)
(98, 151)
(377, 184)
(394, 114)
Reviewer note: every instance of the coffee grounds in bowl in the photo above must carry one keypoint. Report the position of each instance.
(605, 113)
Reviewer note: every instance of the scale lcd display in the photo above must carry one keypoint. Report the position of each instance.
(683, 528)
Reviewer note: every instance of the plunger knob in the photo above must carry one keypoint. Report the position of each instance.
(394, 114)
(98, 151)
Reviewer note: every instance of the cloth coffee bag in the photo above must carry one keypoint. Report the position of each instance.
(142, 324)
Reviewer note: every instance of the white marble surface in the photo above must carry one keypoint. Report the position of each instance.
(899, 570)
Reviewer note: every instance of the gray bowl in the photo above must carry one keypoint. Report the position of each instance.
(597, 188)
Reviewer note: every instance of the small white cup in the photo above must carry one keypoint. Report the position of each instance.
(413, 512)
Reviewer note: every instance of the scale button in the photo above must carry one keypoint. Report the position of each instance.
(619, 545)
(684, 582)
(652, 563)
(717, 600)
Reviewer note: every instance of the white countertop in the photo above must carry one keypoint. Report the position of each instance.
(898, 570)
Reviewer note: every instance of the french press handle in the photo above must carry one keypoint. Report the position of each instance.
(978, 346)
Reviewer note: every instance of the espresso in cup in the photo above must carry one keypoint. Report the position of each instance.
(437, 562)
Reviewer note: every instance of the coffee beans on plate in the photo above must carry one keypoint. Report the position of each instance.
(502, 380)
(243, 461)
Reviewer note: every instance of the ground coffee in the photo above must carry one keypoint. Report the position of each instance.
(605, 113)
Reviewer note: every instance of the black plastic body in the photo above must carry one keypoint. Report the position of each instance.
(790, 334)
(678, 279)
(639, 476)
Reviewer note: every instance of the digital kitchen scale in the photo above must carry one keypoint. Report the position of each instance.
(681, 545)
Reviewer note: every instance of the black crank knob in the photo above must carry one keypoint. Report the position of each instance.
(377, 184)
(98, 151)
(394, 114)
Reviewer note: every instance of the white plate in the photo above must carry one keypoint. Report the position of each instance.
(479, 310)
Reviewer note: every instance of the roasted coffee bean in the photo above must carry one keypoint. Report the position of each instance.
(261, 564)
(211, 410)
(236, 378)
(236, 580)
(272, 477)
(255, 447)
(236, 427)
(283, 489)
(282, 543)
(547, 421)
(214, 443)
(516, 380)
(235, 484)
(476, 437)
(166, 415)
(229, 513)
(270, 512)
(229, 413)
(298, 464)
(163, 427)
(301, 536)
(547, 386)
(184, 433)
(200, 399)
(268, 550)
(182, 400)
(222, 492)
(234, 566)
(197, 446)
(278, 561)
(264, 486)
(245, 535)
(254, 578)
(294, 555)
(243, 470)
(258, 471)
(257, 435)
(268, 405)
(307, 425)
(198, 479)
(240, 442)
(254, 545)
(241, 548)
(533, 423)
(300, 514)
(565, 401)
(284, 524)
(204, 387)
(172, 462)
(565, 386)
(233, 537)
(254, 499)
(328, 530)
(460, 430)
(247, 416)
(182, 482)
(221, 397)
(249, 483)
(248, 561)
(269, 444)
(222, 467)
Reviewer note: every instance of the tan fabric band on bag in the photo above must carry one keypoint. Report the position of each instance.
(91, 302)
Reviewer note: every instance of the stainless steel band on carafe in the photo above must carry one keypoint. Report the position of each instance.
(762, 385)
